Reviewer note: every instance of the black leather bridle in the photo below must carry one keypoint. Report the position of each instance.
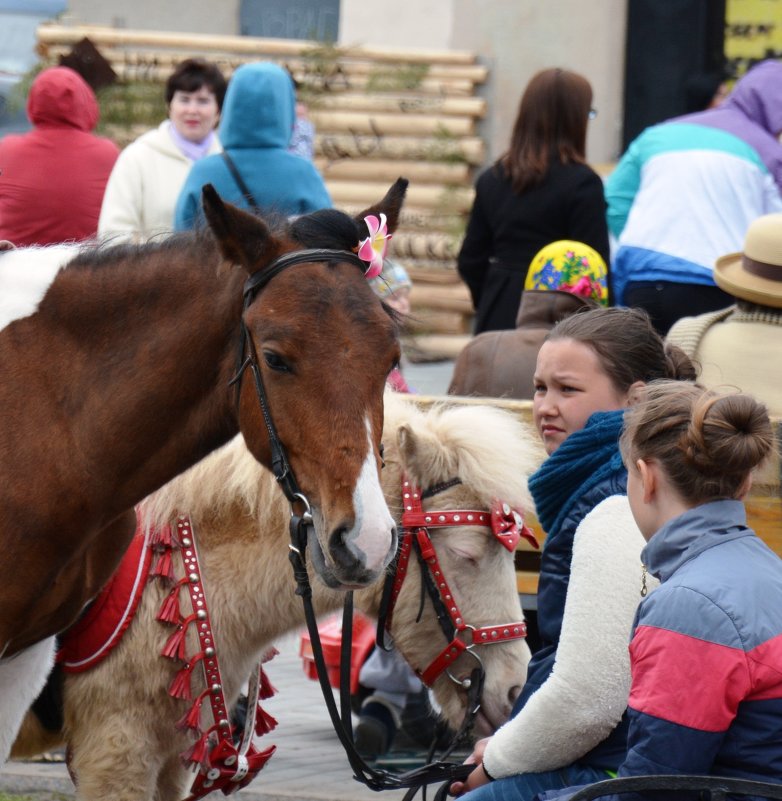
(435, 772)
(248, 357)
(374, 778)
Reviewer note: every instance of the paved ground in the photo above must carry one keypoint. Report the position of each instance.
(428, 379)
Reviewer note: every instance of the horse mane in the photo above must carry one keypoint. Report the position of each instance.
(487, 448)
(108, 251)
(228, 476)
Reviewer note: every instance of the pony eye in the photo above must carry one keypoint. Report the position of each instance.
(275, 362)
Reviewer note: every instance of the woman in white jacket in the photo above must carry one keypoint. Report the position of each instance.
(144, 185)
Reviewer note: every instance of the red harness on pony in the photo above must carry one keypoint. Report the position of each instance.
(219, 762)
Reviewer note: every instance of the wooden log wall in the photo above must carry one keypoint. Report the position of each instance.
(378, 112)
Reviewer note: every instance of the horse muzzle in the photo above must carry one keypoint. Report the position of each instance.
(344, 564)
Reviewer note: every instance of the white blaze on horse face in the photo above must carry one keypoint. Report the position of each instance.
(374, 527)
(25, 275)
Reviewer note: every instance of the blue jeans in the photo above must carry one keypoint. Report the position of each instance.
(525, 786)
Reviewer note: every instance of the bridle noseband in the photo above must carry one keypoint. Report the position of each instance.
(507, 526)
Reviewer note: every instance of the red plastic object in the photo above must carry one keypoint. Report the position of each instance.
(330, 631)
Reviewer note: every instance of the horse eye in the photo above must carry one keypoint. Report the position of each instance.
(275, 362)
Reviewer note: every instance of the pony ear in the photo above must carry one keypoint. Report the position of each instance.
(420, 452)
(390, 205)
(243, 238)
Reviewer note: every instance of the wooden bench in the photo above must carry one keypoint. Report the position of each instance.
(764, 504)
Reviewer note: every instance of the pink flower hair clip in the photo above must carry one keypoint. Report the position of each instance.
(373, 249)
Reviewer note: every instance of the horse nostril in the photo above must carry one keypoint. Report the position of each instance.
(513, 693)
(339, 549)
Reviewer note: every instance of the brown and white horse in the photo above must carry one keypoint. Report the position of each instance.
(116, 372)
(119, 717)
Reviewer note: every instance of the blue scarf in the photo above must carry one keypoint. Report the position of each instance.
(583, 460)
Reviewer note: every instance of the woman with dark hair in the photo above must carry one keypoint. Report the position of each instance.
(143, 188)
(567, 725)
(541, 190)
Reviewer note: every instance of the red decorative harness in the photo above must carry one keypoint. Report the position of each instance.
(220, 764)
(507, 526)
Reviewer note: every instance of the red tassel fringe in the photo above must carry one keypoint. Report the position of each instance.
(163, 567)
(169, 609)
(162, 538)
(177, 642)
(198, 753)
(266, 688)
(180, 686)
(191, 721)
(264, 722)
(175, 646)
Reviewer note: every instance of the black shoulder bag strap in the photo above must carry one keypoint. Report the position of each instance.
(243, 188)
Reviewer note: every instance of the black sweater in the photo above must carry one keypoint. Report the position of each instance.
(506, 230)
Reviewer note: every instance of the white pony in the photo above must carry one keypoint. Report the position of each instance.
(120, 719)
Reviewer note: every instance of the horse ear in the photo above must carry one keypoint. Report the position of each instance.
(390, 205)
(420, 453)
(243, 238)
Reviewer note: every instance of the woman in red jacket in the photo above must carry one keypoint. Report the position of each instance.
(52, 179)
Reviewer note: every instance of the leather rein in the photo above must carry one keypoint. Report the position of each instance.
(508, 527)
(374, 778)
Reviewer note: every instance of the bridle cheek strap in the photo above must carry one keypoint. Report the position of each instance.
(416, 524)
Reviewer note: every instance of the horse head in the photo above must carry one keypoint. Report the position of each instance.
(463, 458)
(320, 346)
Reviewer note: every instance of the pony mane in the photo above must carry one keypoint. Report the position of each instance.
(228, 476)
(488, 448)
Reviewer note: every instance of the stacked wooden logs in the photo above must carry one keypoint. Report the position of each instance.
(378, 113)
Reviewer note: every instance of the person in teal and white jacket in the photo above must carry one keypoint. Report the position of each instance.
(686, 191)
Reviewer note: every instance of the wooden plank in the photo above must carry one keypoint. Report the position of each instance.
(376, 145)
(474, 107)
(207, 43)
(324, 72)
(379, 124)
(438, 322)
(426, 197)
(387, 170)
(430, 245)
(443, 298)
(443, 276)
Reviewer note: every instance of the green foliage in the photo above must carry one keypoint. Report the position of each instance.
(445, 148)
(17, 98)
(396, 78)
(131, 103)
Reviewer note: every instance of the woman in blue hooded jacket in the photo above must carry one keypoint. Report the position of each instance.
(255, 130)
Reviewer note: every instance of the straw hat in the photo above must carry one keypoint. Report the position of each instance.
(756, 274)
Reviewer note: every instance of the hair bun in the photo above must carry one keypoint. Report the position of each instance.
(678, 364)
(728, 434)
